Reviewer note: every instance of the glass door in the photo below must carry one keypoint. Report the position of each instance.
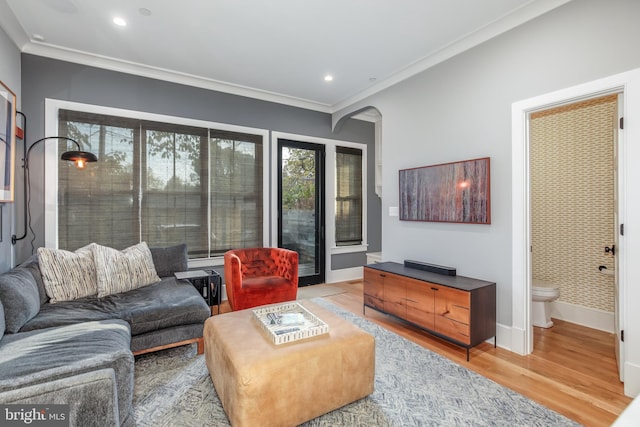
(301, 206)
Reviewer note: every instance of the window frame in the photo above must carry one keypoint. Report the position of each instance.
(52, 107)
(351, 151)
(330, 193)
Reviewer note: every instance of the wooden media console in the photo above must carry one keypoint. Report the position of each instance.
(459, 309)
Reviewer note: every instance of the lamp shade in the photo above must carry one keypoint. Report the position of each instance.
(80, 158)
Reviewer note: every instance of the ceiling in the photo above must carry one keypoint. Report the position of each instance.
(277, 50)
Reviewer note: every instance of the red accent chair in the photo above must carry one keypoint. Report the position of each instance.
(260, 276)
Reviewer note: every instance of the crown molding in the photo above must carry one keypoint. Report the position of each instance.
(529, 11)
(11, 26)
(113, 64)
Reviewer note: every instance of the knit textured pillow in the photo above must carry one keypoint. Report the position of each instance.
(67, 275)
(122, 271)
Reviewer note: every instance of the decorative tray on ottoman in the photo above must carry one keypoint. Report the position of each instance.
(289, 322)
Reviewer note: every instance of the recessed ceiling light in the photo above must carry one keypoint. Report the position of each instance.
(328, 78)
(120, 22)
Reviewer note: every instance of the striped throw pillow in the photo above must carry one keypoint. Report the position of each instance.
(121, 271)
(67, 275)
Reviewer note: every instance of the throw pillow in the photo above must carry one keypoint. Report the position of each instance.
(170, 259)
(20, 298)
(31, 264)
(121, 271)
(67, 275)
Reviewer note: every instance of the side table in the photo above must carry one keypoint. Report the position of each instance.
(207, 282)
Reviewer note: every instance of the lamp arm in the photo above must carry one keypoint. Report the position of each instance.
(25, 167)
(14, 239)
(26, 157)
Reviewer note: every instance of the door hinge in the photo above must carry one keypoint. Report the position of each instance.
(622, 229)
(622, 335)
(621, 122)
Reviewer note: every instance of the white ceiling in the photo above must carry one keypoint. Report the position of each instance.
(277, 50)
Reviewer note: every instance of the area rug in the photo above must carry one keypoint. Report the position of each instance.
(413, 387)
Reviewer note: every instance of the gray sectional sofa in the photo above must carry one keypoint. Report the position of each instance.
(81, 352)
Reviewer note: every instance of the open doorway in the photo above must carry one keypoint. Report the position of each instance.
(521, 334)
(573, 199)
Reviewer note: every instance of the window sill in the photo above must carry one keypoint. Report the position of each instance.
(336, 250)
(206, 262)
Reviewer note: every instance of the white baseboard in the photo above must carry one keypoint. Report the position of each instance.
(589, 317)
(344, 275)
(631, 379)
(503, 337)
(512, 339)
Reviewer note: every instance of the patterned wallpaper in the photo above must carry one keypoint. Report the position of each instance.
(572, 199)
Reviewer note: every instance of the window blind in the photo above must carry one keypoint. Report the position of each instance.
(348, 196)
(162, 183)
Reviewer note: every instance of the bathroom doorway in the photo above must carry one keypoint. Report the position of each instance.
(573, 207)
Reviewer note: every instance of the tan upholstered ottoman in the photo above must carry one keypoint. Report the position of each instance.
(263, 384)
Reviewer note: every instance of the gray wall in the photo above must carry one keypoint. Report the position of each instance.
(48, 78)
(10, 76)
(461, 109)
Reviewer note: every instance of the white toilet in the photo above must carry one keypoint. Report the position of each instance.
(543, 294)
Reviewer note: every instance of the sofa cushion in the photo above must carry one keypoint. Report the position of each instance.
(20, 298)
(170, 260)
(121, 271)
(165, 304)
(91, 396)
(165, 337)
(67, 275)
(32, 265)
(38, 357)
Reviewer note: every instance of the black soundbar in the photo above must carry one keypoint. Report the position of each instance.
(433, 268)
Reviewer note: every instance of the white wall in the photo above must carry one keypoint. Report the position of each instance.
(10, 76)
(461, 109)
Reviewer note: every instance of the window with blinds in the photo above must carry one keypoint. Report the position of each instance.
(348, 196)
(160, 183)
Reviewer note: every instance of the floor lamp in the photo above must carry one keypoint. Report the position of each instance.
(80, 158)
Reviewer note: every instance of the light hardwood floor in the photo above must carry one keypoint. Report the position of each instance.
(572, 369)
